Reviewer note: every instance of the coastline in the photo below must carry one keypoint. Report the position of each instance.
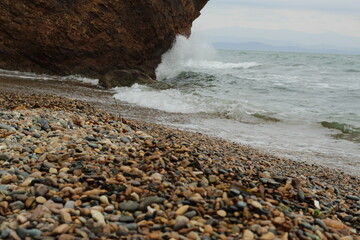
(234, 191)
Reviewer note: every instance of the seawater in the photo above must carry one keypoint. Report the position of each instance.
(300, 105)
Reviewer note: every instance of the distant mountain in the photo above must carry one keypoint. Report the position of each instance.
(258, 46)
(280, 40)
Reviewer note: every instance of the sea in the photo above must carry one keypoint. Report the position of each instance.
(302, 106)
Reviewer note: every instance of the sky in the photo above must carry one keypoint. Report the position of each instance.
(317, 22)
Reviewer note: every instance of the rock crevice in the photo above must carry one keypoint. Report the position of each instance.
(91, 38)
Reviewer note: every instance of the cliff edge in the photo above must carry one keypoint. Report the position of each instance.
(118, 41)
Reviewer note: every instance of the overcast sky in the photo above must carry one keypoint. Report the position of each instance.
(309, 16)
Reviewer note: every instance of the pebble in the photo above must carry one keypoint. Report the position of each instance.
(98, 216)
(32, 233)
(221, 213)
(18, 205)
(4, 157)
(40, 200)
(182, 210)
(104, 200)
(104, 178)
(130, 206)
(248, 235)
(181, 222)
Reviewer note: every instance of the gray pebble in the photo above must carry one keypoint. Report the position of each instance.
(131, 226)
(4, 157)
(130, 206)
(190, 214)
(150, 200)
(44, 123)
(125, 139)
(17, 205)
(32, 233)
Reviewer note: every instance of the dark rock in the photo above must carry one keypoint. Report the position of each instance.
(355, 198)
(17, 205)
(125, 78)
(321, 224)
(190, 214)
(131, 226)
(301, 195)
(130, 206)
(5, 233)
(32, 233)
(72, 37)
(125, 139)
(4, 157)
(150, 200)
(44, 123)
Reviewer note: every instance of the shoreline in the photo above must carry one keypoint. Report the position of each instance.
(234, 191)
(103, 99)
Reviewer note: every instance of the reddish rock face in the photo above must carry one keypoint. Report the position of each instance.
(95, 38)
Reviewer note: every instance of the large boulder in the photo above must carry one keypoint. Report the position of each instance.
(106, 39)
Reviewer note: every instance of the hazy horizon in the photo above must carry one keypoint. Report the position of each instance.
(309, 24)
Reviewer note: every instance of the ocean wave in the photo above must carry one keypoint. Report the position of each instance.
(344, 128)
(35, 76)
(176, 101)
(191, 64)
(348, 132)
(193, 54)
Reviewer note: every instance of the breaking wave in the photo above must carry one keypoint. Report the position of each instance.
(193, 54)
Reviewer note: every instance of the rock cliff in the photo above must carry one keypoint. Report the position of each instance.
(117, 41)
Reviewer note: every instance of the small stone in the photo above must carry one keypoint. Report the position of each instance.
(213, 179)
(125, 139)
(241, 204)
(123, 231)
(301, 195)
(346, 238)
(131, 226)
(130, 206)
(182, 210)
(53, 171)
(248, 235)
(5, 233)
(65, 216)
(98, 216)
(32, 233)
(44, 123)
(4, 157)
(109, 208)
(29, 201)
(18, 205)
(256, 204)
(40, 200)
(104, 200)
(150, 200)
(268, 236)
(221, 213)
(181, 222)
(190, 214)
(155, 235)
(63, 228)
(355, 198)
(41, 189)
(21, 218)
(39, 150)
(208, 229)
(156, 177)
(321, 224)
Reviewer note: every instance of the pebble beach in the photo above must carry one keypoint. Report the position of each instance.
(69, 170)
